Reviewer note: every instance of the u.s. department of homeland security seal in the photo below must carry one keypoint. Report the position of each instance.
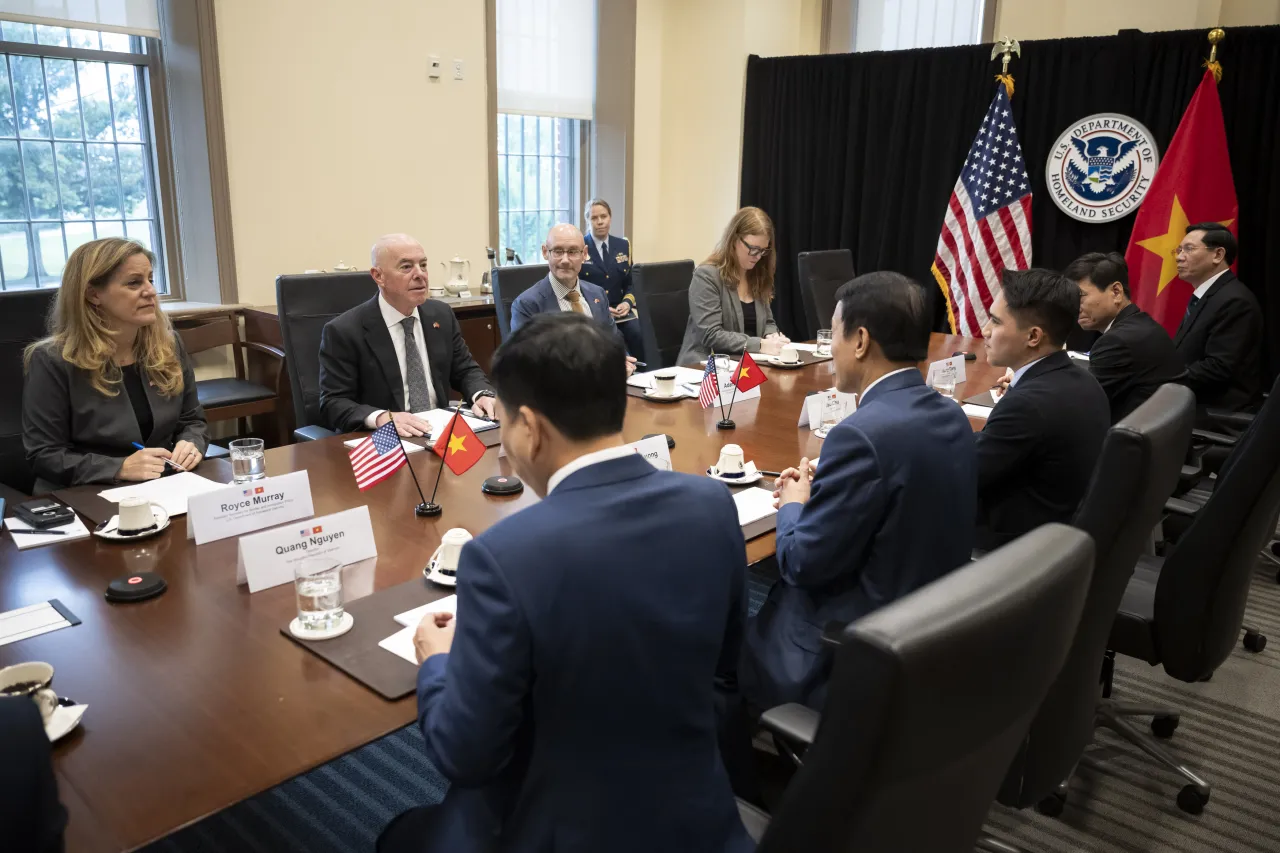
(1101, 167)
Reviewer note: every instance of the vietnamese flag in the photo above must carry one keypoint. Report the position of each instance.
(1193, 184)
(749, 374)
(459, 446)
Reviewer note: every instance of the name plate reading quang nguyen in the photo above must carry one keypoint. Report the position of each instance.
(267, 559)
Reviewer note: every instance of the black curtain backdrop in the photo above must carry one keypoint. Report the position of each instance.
(861, 151)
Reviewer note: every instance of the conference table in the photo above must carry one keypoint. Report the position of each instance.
(196, 701)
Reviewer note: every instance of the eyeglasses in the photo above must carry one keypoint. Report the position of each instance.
(1186, 249)
(558, 252)
(754, 251)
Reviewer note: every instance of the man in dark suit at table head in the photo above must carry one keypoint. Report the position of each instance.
(1041, 441)
(1220, 337)
(398, 353)
(1135, 355)
(889, 509)
(574, 709)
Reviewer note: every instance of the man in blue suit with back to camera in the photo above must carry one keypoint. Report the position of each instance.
(890, 508)
(574, 707)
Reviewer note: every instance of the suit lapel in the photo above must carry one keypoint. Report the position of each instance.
(378, 338)
(1184, 327)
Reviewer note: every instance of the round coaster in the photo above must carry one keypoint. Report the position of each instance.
(343, 626)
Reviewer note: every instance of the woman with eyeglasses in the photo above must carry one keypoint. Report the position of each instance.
(730, 293)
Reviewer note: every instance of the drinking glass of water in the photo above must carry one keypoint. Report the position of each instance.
(832, 413)
(824, 343)
(248, 460)
(318, 583)
(946, 386)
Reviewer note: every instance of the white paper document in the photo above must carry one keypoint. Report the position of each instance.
(30, 621)
(756, 513)
(70, 532)
(439, 420)
(684, 376)
(408, 448)
(400, 644)
(170, 493)
(973, 410)
(411, 618)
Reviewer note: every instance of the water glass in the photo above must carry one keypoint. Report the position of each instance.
(832, 413)
(946, 386)
(318, 584)
(248, 460)
(824, 343)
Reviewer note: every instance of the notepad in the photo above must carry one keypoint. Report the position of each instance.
(411, 618)
(400, 644)
(976, 411)
(408, 447)
(756, 513)
(31, 621)
(439, 420)
(170, 493)
(70, 532)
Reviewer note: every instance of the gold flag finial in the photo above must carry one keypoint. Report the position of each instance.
(1006, 48)
(1216, 35)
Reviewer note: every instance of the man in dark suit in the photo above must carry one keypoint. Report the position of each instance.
(1041, 441)
(1220, 338)
(398, 353)
(1135, 355)
(31, 817)
(889, 509)
(574, 707)
(608, 265)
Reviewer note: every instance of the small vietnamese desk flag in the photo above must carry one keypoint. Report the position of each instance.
(459, 446)
(1193, 184)
(749, 374)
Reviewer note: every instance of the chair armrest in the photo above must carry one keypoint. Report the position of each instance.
(1235, 419)
(794, 723)
(1214, 437)
(312, 433)
(1178, 506)
(274, 352)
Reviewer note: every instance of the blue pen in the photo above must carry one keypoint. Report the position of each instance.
(175, 465)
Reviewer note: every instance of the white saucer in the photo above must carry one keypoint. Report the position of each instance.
(343, 626)
(773, 361)
(109, 531)
(652, 394)
(432, 575)
(63, 721)
(748, 478)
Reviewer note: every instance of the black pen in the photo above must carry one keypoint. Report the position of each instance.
(474, 414)
(41, 532)
(771, 473)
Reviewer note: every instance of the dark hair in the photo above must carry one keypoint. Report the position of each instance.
(1216, 236)
(1100, 269)
(569, 369)
(1044, 298)
(891, 307)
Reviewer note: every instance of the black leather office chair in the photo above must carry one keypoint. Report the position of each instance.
(508, 283)
(1136, 471)
(23, 319)
(1184, 611)
(929, 699)
(305, 303)
(820, 275)
(662, 301)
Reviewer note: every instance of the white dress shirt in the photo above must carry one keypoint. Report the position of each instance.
(600, 244)
(1208, 283)
(1017, 374)
(586, 460)
(562, 295)
(867, 390)
(392, 317)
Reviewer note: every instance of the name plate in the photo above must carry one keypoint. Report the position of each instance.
(654, 449)
(948, 371)
(267, 559)
(812, 409)
(246, 507)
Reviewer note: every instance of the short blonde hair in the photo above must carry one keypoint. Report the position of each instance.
(79, 331)
(747, 222)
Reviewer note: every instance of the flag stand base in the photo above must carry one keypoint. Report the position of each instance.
(726, 424)
(428, 510)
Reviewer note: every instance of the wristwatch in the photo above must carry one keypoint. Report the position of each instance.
(480, 394)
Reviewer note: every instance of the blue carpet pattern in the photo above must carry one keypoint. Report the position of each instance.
(341, 806)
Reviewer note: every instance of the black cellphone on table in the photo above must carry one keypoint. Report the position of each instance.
(43, 513)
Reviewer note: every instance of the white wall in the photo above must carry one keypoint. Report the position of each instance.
(335, 135)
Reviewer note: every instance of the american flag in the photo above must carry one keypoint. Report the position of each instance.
(987, 227)
(377, 457)
(709, 391)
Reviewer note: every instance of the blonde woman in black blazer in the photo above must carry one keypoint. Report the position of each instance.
(112, 372)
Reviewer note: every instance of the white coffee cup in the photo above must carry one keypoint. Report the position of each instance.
(35, 678)
(136, 516)
(788, 354)
(450, 550)
(730, 464)
(664, 383)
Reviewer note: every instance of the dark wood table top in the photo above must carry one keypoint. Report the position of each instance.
(195, 699)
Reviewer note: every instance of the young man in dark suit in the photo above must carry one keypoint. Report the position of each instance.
(889, 509)
(1135, 355)
(398, 353)
(574, 708)
(1220, 338)
(1040, 443)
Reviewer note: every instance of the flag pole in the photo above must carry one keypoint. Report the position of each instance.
(431, 508)
(715, 377)
(726, 423)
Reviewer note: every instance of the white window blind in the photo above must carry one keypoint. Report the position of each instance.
(547, 57)
(903, 24)
(136, 17)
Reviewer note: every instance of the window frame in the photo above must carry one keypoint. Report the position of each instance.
(579, 153)
(153, 112)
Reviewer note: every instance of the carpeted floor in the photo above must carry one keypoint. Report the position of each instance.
(1230, 733)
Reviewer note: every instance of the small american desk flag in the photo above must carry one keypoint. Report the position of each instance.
(709, 391)
(987, 226)
(377, 457)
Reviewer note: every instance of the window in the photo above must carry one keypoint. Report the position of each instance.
(539, 183)
(903, 24)
(76, 154)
